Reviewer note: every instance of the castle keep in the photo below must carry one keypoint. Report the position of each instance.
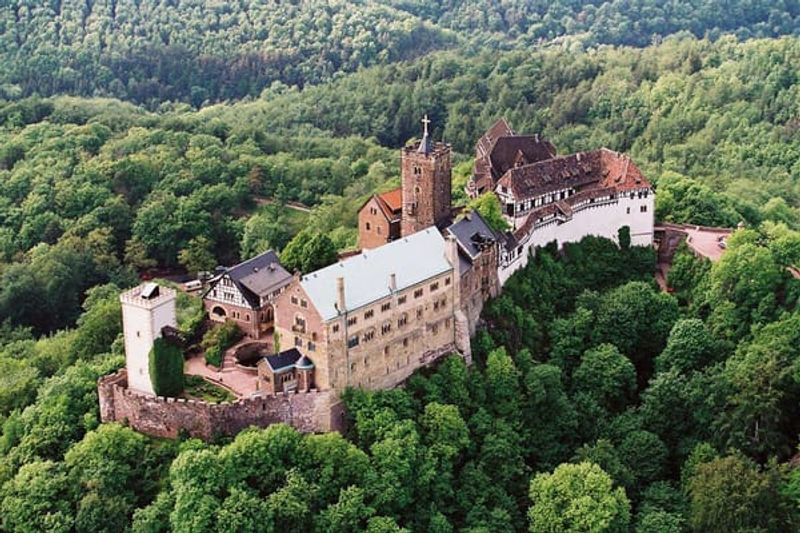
(414, 293)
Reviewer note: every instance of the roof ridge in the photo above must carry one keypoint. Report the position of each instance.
(246, 261)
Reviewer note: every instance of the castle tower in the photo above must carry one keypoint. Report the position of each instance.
(426, 174)
(146, 310)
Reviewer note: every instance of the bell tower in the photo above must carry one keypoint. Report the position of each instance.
(426, 175)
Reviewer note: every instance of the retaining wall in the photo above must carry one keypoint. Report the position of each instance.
(309, 412)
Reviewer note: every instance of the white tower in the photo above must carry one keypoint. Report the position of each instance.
(146, 309)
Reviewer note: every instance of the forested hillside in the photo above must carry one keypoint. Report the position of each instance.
(596, 402)
(724, 114)
(636, 22)
(193, 50)
(197, 50)
(715, 125)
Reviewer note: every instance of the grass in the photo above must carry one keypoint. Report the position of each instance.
(198, 388)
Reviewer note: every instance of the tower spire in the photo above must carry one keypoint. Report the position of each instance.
(425, 145)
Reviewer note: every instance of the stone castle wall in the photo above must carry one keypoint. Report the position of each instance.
(308, 412)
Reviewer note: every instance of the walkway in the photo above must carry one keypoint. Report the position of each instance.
(241, 383)
(706, 242)
(703, 241)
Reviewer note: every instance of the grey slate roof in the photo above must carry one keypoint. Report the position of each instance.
(258, 276)
(470, 232)
(412, 260)
(283, 360)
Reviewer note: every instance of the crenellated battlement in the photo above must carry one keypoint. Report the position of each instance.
(310, 412)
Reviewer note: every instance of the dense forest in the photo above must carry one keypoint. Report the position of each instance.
(197, 50)
(193, 50)
(595, 403)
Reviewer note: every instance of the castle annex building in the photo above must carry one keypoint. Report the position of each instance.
(549, 198)
(245, 294)
(413, 293)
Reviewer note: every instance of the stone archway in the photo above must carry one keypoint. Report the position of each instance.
(218, 313)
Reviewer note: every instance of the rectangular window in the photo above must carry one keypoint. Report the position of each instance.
(352, 342)
(294, 300)
(303, 303)
(418, 293)
(311, 346)
(434, 286)
(385, 307)
(352, 321)
(643, 209)
(401, 300)
(335, 328)
(369, 314)
(298, 341)
(447, 281)
(386, 328)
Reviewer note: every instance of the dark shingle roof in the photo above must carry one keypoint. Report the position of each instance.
(283, 360)
(256, 277)
(500, 150)
(506, 151)
(472, 233)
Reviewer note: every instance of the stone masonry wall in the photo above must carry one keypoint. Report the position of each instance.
(310, 412)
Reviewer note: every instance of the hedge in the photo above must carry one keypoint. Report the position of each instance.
(166, 368)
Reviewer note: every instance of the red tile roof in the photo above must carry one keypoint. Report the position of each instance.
(393, 199)
(598, 168)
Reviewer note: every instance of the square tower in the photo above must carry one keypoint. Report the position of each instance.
(146, 310)
(426, 175)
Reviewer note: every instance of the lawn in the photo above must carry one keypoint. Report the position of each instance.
(199, 389)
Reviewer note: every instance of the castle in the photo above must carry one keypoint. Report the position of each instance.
(413, 294)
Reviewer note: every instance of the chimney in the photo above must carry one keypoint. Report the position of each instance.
(451, 251)
(392, 282)
(340, 303)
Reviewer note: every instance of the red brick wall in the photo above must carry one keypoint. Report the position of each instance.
(427, 187)
(309, 412)
(250, 327)
(374, 229)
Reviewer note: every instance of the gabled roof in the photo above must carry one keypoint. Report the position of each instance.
(393, 199)
(472, 233)
(284, 360)
(495, 131)
(257, 277)
(500, 149)
(506, 152)
(602, 167)
(389, 202)
(412, 260)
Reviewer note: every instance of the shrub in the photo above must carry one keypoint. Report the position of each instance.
(218, 339)
(166, 368)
